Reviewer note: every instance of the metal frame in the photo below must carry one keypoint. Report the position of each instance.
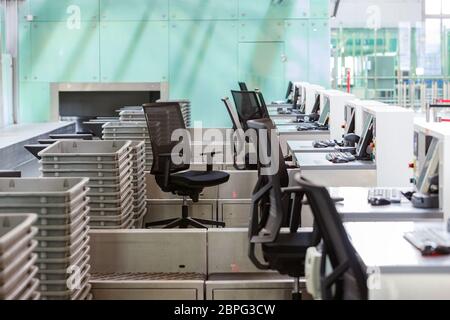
(56, 88)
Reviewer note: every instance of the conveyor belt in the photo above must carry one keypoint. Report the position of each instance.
(147, 277)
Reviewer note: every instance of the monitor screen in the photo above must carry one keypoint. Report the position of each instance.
(367, 137)
(296, 97)
(350, 120)
(430, 168)
(325, 115)
(316, 107)
(243, 86)
(289, 90)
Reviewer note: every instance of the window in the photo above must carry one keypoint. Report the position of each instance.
(433, 7)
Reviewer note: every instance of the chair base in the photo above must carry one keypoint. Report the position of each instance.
(184, 223)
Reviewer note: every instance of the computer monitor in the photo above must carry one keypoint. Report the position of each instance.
(325, 115)
(350, 120)
(295, 99)
(243, 86)
(430, 168)
(289, 89)
(316, 108)
(262, 104)
(366, 139)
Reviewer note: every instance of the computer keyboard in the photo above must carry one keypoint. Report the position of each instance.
(324, 144)
(392, 195)
(430, 241)
(340, 157)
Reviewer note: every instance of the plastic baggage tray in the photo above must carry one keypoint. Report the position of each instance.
(141, 214)
(99, 181)
(98, 213)
(45, 275)
(110, 197)
(59, 264)
(45, 208)
(98, 150)
(63, 241)
(40, 191)
(19, 262)
(126, 225)
(24, 283)
(111, 221)
(63, 219)
(17, 278)
(61, 285)
(22, 245)
(90, 173)
(63, 229)
(80, 294)
(122, 127)
(13, 227)
(140, 196)
(82, 165)
(139, 201)
(30, 291)
(110, 189)
(63, 252)
(111, 204)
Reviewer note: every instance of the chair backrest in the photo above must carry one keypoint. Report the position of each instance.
(163, 119)
(348, 279)
(247, 106)
(233, 114)
(269, 210)
(262, 104)
(243, 86)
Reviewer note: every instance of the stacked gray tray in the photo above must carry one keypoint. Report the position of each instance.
(18, 269)
(108, 165)
(62, 209)
(139, 185)
(185, 110)
(129, 130)
(135, 113)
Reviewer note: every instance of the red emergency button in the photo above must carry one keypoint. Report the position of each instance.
(412, 165)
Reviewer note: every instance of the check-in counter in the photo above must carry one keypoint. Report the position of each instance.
(290, 133)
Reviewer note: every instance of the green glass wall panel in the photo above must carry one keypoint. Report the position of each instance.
(261, 30)
(61, 54)
(61, 10)
(204, 10)
(269, 9)
(134, 10)
(24, 42)
(206, 48)
(319, 52)
(204, 70)
(297, 50)
(319, 9)
(261, 66)
(141, 55)
(34, 102)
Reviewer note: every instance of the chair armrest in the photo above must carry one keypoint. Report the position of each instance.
(296, 210)
(164, 159)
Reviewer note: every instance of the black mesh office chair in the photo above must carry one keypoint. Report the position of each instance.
(243, 86)
(247, 107)
(283, 252)
(241, 139)
(162, 120)
(347, 279)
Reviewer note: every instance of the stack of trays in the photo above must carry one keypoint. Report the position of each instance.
(139, 185)
(108, 166)
(185, 110)
(17, 261)
(134, 131)
(62, 209)
(137, 114)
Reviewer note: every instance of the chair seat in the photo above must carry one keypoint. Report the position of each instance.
(287, 254)
(199, 179)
